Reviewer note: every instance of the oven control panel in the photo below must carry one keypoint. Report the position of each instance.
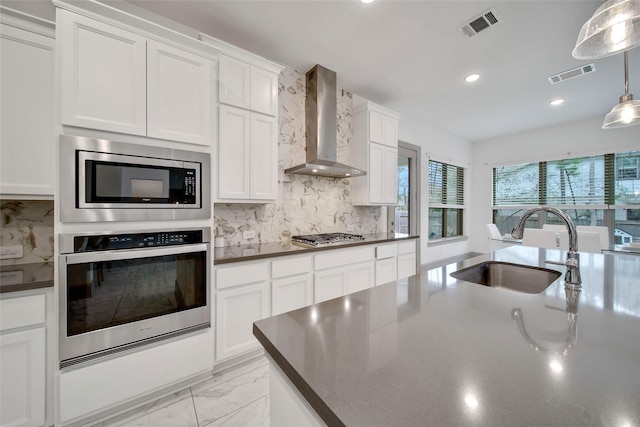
(112, 242)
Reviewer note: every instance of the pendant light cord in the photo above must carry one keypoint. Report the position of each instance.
(626, 73)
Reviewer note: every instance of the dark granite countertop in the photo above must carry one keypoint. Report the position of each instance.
(437, 351)
(238, 253)
(22, 277)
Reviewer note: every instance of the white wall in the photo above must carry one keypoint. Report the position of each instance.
(574, 139)
(443, 147)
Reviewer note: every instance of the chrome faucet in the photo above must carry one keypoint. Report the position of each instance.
(572, 279)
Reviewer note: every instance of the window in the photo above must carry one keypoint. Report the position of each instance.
(595, 190)
(627, 167)
(446, 200)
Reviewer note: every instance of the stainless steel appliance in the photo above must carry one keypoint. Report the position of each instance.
(123, 290)
(326, 239)
(103, 180)
(320, 126)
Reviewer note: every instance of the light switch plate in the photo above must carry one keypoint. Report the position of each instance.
(10, 252)
(249, 234)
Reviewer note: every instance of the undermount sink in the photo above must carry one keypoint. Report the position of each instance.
(517, 277)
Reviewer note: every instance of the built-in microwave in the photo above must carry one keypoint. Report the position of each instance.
(103, 180)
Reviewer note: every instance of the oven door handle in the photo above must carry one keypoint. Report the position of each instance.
(133, 253)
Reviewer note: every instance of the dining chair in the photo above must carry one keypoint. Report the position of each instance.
(542, 238)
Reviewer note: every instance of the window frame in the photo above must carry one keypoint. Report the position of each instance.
(444, 207)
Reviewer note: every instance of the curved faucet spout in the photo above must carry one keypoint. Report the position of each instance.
(572, 277)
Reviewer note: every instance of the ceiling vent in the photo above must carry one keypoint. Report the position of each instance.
(569, 74)
(480, 23)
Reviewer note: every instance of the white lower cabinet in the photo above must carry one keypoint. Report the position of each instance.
(407, 262)
(291, 293)
(236, 310)
(330, 284)
(360, 276)
(23, 359)
(386, 270)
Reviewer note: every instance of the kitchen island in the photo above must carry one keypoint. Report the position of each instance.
(433, 350)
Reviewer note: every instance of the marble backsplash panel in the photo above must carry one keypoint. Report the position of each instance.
(306, 204)
(30, 225)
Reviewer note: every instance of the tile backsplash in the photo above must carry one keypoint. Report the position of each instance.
(306, 204)
(28, 224)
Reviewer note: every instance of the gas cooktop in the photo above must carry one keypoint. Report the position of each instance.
(326, 239)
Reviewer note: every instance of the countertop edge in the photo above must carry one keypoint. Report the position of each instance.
(304, 250)
(318, 405)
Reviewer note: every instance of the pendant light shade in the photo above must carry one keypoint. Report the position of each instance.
(627, 112)
(613, 28)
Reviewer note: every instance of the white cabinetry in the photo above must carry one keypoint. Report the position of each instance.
(386, 263)
(243, 296)
(247, 156)
(248, 135)
(23, 360)
(292, 285)
(248, 86)
(27, 127)
(119, 81)
(406, 258)
(340, 272)
(375, 150)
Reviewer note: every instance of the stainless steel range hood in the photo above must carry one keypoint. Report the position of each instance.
(321, 128)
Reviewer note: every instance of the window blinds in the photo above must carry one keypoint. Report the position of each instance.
(446, 185)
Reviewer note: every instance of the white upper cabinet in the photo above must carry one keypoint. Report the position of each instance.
(375, 150)
(234, 82)
(118, 81)
(248, 86)
(178, 95)
(248, 135)
(27, 138)
(103, 76)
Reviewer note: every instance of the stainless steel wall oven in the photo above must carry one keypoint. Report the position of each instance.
(103, 180)
(123, 290)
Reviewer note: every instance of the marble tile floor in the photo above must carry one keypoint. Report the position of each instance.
(235, 397)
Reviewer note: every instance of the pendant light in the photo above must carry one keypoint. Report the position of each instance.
(613, 28)
(627, 112)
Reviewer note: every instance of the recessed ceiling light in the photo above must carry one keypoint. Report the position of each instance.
(472, 78)
(556, 102)
(366, 1)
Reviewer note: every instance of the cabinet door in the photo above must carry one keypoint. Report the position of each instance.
(26, 127)
(234, 82)
(390, 131)
(376, 174)
(330, 284)
(234, 151)
(406, 265)
(390, 175)
(291, 293)
(264, 91)
(103, 76)
(22, 390)
(360, 276)
(386, 271)
(236, 310)
(178, 95)
(264, 157)
(376, 127)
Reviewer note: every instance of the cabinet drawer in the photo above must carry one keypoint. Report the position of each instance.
(242, 274)
(22, 311)
(406, 247)
(291, 266)
(338, 258)
(386, 251)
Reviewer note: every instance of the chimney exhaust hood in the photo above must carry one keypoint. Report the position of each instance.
(321, 128)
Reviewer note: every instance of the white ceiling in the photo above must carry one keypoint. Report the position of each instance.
(412, 57)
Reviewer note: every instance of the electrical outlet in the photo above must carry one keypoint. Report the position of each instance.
(10, 252)
(249, 234)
